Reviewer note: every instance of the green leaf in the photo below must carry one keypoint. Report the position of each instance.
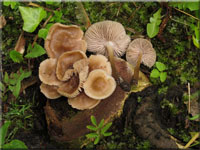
(6, 78)
(153, 26)
(101, 124)
(91, 135)
(106, 127)
(16, 56)
(163, 76)
(43, 33)
(196, 42)
(192, 6)
(160, 66)
(96, 141)
(91, 128)
(10, 3)
(16, 89)
(195, 117)
(93, 120)
(155, 73)
(32, 17)
(2, 88)
(15, 144)
(35, 52)
(3, 132)
(107, 134)
(24, 74)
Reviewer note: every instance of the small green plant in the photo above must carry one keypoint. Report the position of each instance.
(13, 82)
(153, 26)
(100, 130)
(159, 72)
(14, 144)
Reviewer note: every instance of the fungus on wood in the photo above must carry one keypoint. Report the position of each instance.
(62, 38)
(91, 88)
(110, 39)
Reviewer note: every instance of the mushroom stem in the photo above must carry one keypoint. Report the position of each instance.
(136, 70)
(123, 84)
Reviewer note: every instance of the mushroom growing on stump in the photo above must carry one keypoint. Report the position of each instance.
(50, 91)
(99, 85)
(64, 69)
(62, 38)
(82, 102)
(47, 72)
(99, 62)
(108, 38)
(140, 51)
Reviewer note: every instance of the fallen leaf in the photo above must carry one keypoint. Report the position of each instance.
(2, 21)
(20, 45)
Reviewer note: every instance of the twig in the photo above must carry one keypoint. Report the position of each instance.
(133, 14)
(36, 5)
(189, 97)
(119, 9)
(45, 23)
(186, 13)
(163, 25)
(192, 140)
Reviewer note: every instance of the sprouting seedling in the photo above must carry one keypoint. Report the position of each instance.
(100, 130)
(159, 72)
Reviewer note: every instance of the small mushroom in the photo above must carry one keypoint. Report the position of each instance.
(140, 51)
(82, 101)
(64, 69)
(62, 38)
(99, 34)
(143, 47)
(99, 85)
(47, 72)
(99, 62)
(50, 91)
(108, 38)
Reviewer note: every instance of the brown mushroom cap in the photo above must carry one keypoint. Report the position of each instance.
(47, 72)
(143, 46)
(99, 62)
(99, 34)
(99, 85)
(82, 101)
(72, 87)
(49, 91)
(62, 38)
(64, 69)
(80, 64)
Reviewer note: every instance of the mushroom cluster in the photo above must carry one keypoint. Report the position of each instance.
(86, 81)
(69, 72)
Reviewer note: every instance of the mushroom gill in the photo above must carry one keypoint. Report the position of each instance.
(99, 34)
(62, 38)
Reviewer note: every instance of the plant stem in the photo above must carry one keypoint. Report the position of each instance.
(137, 69)
(186, 13)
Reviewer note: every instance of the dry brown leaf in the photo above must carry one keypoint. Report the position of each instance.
(2, 21)
(20, 45)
